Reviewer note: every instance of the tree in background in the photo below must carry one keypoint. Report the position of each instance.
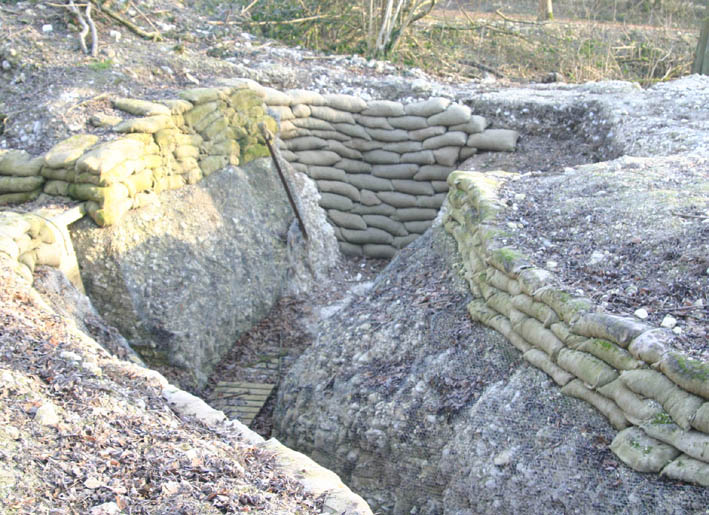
(701, 59)
(390, 21)
(372, 27)
(546, 12)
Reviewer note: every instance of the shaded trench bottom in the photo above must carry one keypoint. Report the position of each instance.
(260, 359)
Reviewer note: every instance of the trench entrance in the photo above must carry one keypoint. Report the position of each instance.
(245, 383)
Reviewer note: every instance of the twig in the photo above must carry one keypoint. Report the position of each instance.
(483, 68)
(145, 17)
(499, 13)
(681, 215)
(84, 26)
(155, 36)
(291, 22)
(84, 102)
(94, 34)
(245, 10)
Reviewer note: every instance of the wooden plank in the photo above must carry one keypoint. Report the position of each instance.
(253, 386)
(228, 397)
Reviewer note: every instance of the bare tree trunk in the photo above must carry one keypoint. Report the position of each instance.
(546, 12)
(701, 59)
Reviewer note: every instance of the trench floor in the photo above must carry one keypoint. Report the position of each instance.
(244, 385)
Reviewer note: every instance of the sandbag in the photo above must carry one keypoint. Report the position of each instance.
(610, 353)
(620, 330)
(692, 443)
(538, 310)
(19, 198)
(586, 367)
(680, 404)
(607, 407)
(690, 374)
(67, 152)
(20, 184)
(688, 470)
(18, 163)
(540, 360)
(636, 408)
(640, 452)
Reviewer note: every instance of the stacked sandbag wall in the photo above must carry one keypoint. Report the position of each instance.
(381, 166)
(28, 240)
(657, 397)
(20, 179)
(159, 146)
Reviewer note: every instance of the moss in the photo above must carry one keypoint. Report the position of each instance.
(508, 256)
(605, 344)
(662, 418)
(692, 368)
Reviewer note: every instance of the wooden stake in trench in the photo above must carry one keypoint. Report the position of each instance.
(268, 137)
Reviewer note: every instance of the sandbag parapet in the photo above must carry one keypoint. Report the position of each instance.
(655, 396)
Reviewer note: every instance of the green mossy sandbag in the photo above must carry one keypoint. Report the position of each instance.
(20, 184)
(566, 306)
(640, 452)
(57, 188)
(65, 153)
(690, 374)
(19, 198)
(98, 194)
(18, 163)
(610, 353)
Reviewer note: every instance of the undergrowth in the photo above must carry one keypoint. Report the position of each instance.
(472, 46)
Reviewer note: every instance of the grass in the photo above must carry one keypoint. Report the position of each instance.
(103, 64)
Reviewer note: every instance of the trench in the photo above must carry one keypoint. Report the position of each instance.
(264, 354)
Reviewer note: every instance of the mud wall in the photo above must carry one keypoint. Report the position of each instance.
(656, 397)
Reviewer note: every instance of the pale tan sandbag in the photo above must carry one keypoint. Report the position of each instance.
(689, 470)
(540, 360)
(606, 406)
(591, 370)
(637, 409)
(537, 310)
(620, 330)
(680, 405)
(640, 452)
(535, 333)
(692, 443)
(566, 306)
(49, 254)
(561, 330)
(651, 345)
(701, 418)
